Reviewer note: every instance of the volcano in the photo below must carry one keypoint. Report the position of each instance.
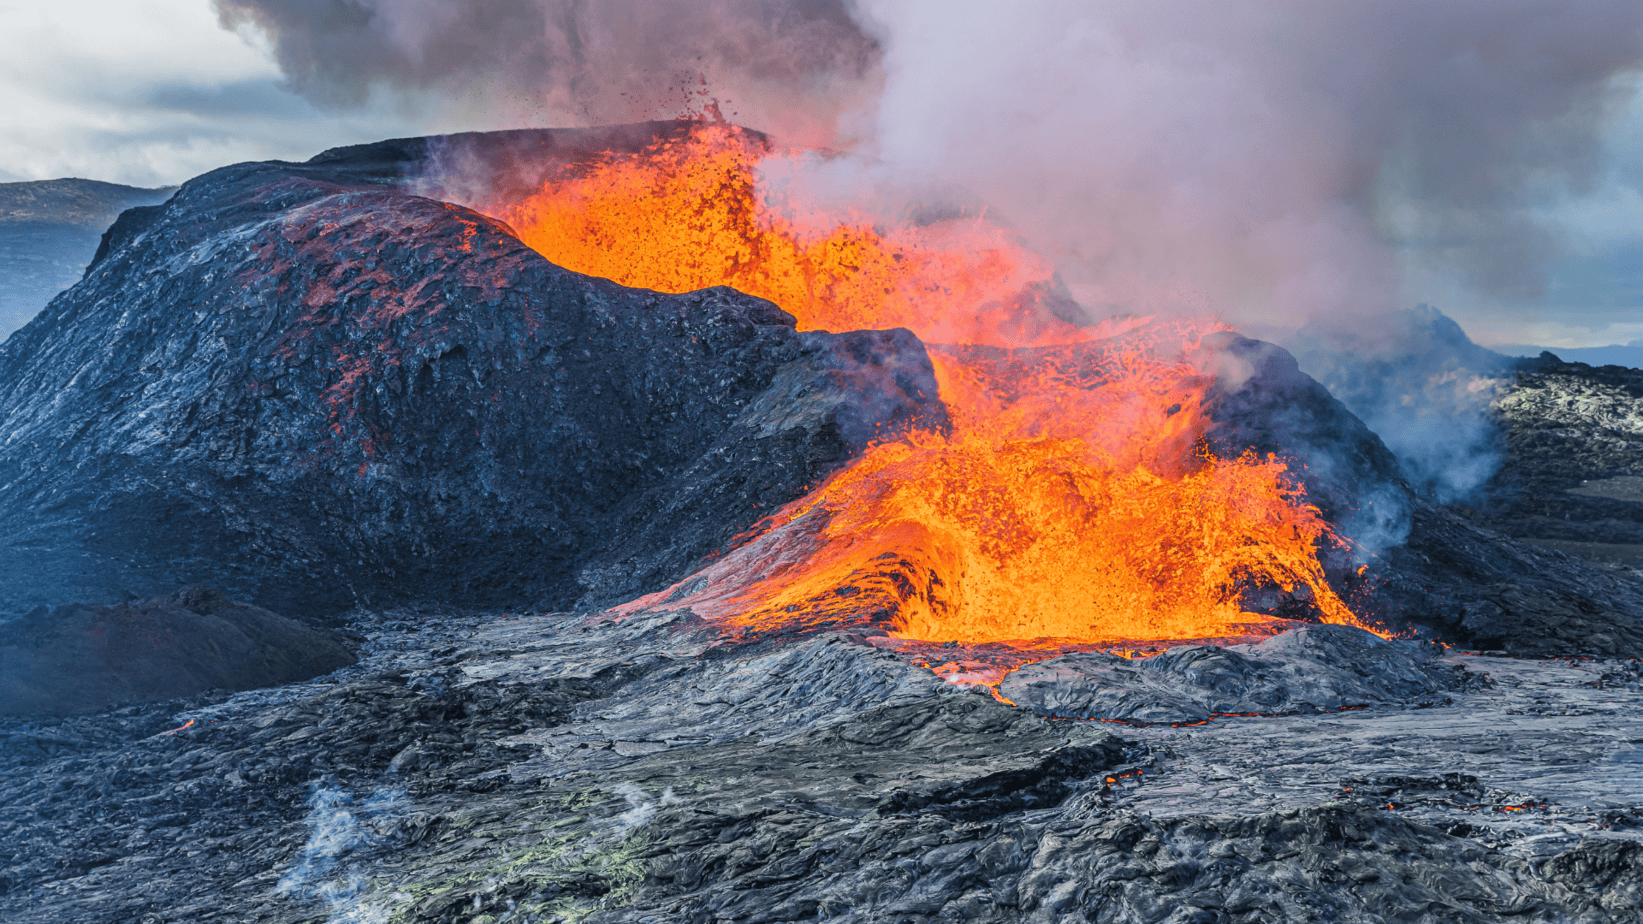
(717, 560)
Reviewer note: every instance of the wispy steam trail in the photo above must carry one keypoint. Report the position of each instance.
(339, 826)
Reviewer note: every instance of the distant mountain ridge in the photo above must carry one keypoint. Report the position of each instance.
(49, 230)
(1628, 355)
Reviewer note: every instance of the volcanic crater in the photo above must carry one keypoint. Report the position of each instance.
(709, 556)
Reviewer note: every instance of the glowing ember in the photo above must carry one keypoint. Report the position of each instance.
(1072, 499)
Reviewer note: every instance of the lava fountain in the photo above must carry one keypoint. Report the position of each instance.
(1072, 499)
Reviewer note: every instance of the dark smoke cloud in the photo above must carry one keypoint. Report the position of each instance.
(789, 67)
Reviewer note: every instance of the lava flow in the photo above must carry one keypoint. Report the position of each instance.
(1072, 499)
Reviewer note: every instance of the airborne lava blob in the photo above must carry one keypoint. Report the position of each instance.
(1072, 498)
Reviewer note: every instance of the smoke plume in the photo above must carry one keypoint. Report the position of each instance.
(789, 66)
(1261, 159)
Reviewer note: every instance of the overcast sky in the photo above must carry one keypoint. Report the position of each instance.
(1594, 295)
(152, 92)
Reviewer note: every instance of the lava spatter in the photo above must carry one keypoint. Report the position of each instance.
(1073, 497)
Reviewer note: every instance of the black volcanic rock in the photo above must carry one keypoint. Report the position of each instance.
(1479, 588)
(305, 387)
(560, 768)
(1262, 401)
(1572, 473)
(1315, 668)
(83, 658)
(1568, 495)
(1428, 564)
(307, 381)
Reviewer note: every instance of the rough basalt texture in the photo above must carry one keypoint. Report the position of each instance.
(1313, 669)
(1570, 496)
(83, 658)
(1261, 400)
(1476, 587)
(305, 382)
(316, 391)
(559, 768)
(1572, 473)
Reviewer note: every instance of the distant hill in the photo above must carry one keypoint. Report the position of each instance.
(1629, 355)
(49, 230)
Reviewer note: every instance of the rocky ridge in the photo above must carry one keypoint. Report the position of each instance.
(309, 387)
(1572, 474)
(49, 232)
(79, 659)
(315, 391)
(1314, 668)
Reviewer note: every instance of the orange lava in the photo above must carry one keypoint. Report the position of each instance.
(1071, 500)
(686, 214)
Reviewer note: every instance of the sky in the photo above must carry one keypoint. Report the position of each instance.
(1594, 289)
(1227, 157)
(153, 92)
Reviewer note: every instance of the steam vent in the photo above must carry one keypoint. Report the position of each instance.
(602, 539)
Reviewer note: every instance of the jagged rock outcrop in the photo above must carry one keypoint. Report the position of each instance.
(315, 390)
(1572, 473)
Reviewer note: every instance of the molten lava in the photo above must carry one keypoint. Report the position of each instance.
(687, 214)
(1072, 498)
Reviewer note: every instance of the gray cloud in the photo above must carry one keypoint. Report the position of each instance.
(152, 92)
(245, 101)
(789, 66)
(1267, 160)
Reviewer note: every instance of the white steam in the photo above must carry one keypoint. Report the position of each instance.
(1264, 161)
(641, 807)
(340, 826)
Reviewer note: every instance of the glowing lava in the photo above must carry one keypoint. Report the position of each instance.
(687, 214)
(1072, 498)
